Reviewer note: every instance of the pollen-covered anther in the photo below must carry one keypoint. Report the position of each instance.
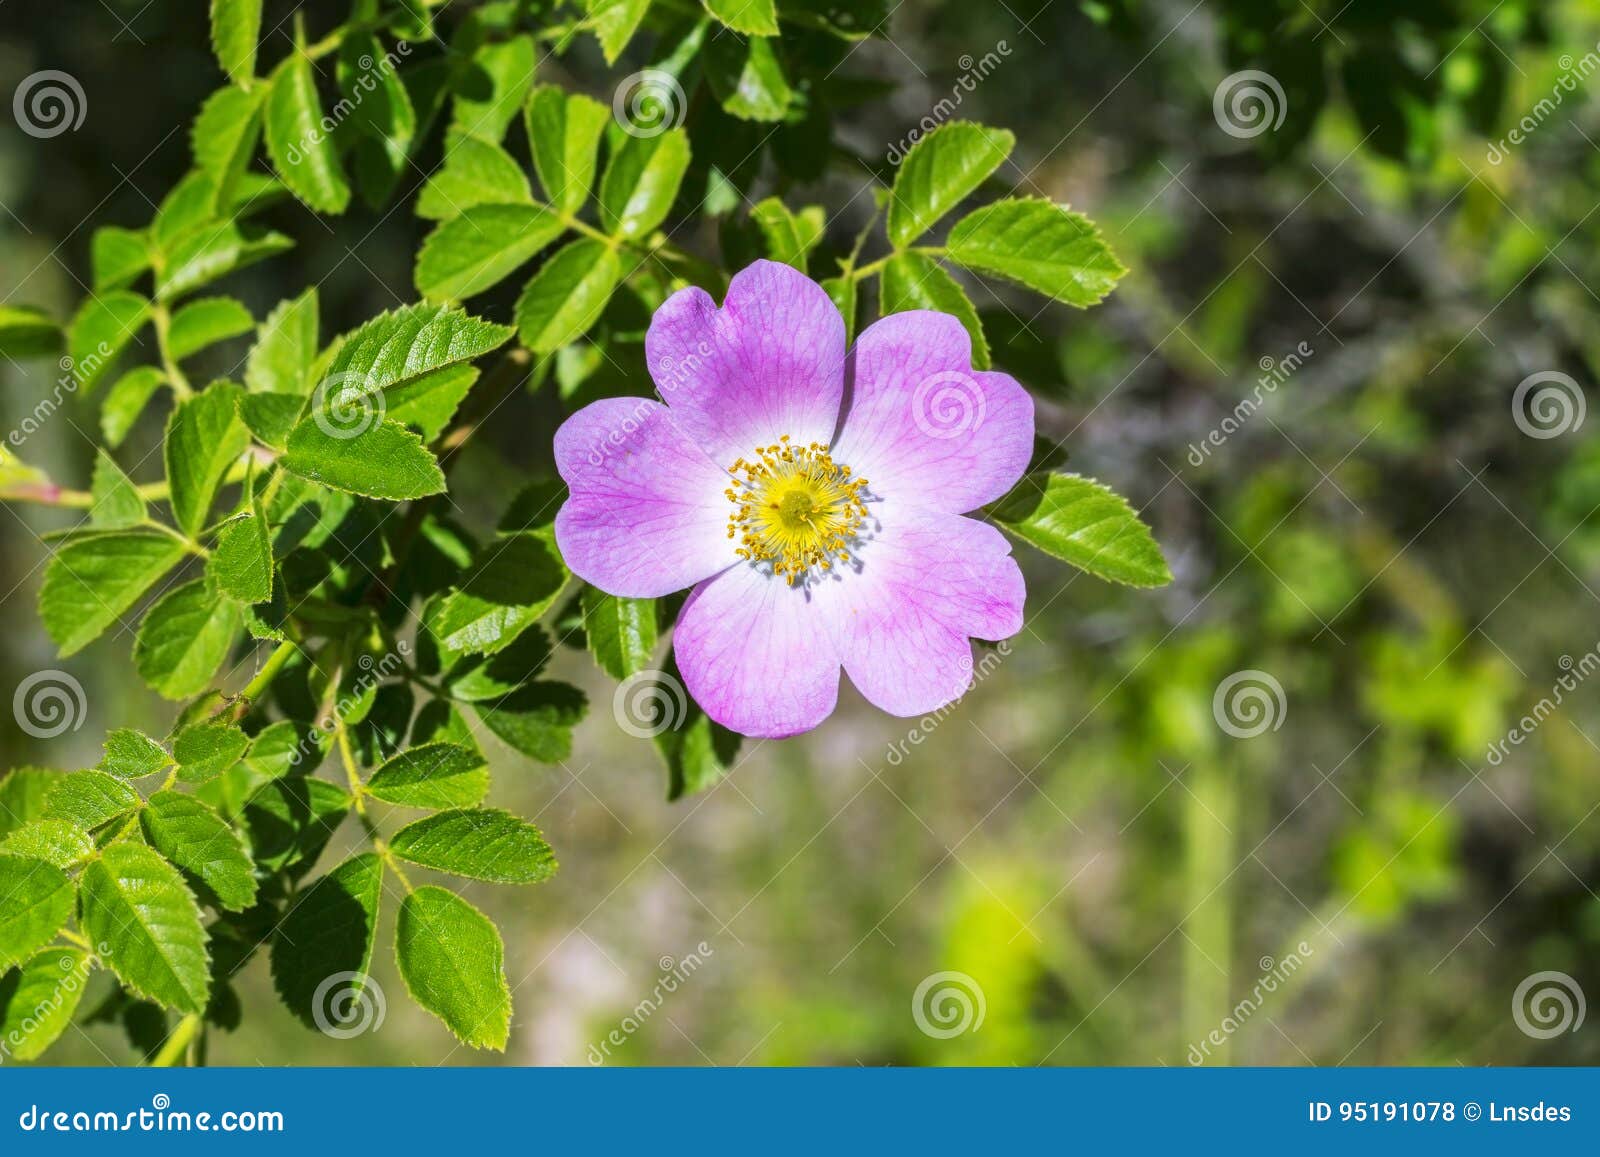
(795, 507)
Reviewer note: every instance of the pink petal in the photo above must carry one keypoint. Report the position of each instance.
(647, 515)
(923, 426)
(756, 654)
(769, 362)
(926, 584)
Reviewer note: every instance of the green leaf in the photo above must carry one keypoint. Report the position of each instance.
(698, 752)
(235, 30)
(614, 22)
(115, 502)
(206, 750)
(104, 325)
(478, 843)
(329, 933)
(790, 236)
(286, 348)
(538, 720)
(89, 799)
(302, 153)
(117, 256)
(196, 839)
(621, 632)
(205, 322)
(916, 281)
(564, 132)
(137, 905)
(271, 418)
(132, 754)
(752, 17)
(484, 245)
(278, 749)
(1041, 245)
(290, 821)
(126, 400)
(747, 78)
(452, 960)
(475, 172)
(382, 120)
(429, 402)
(91, 582)
(35, 902)
(1082, 522)
(58, 842)
(939, 172)
(185, 638)
(434, 775)
(225, 136)
(241, 563)
(214, 251)
(842, 292)
(407, 343)
(385, 460)
(187, 207)
(507, 590)
(501, 75)
(481, 678)
(566, 297)
(26, 332)
(22, 796)
(205, 436)
(37, 1003)
(641, 181)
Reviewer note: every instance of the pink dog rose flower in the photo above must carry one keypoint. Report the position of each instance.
(812, 499)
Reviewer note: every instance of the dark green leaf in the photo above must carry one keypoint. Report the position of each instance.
(115, 500)
(537, 720)
(205, 436)
(185, 638)
(302, 152)
(485, 244)
(89, 799)
(747, 78)
(752, 17)
(225, 137)
(564, 132)
(435, 775)
(939, 172)
(621, 632)
(915, 281)
(35, 901)
(241, 564)
(196, 839)
(38, 1001)
(286, 347)
(641, 181)
(131, 754)
(206, 750)
(322, 951)
(385, 460)
(475, 172)
(59, 842)
(206, 322)
(1041, 245)
(567, 296)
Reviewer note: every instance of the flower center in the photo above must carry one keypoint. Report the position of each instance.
(795, 507)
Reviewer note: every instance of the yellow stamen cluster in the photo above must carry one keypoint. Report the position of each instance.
(795, 507)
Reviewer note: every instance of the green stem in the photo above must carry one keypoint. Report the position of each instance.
(176, 1047)
(270, 669)
(180, 384)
